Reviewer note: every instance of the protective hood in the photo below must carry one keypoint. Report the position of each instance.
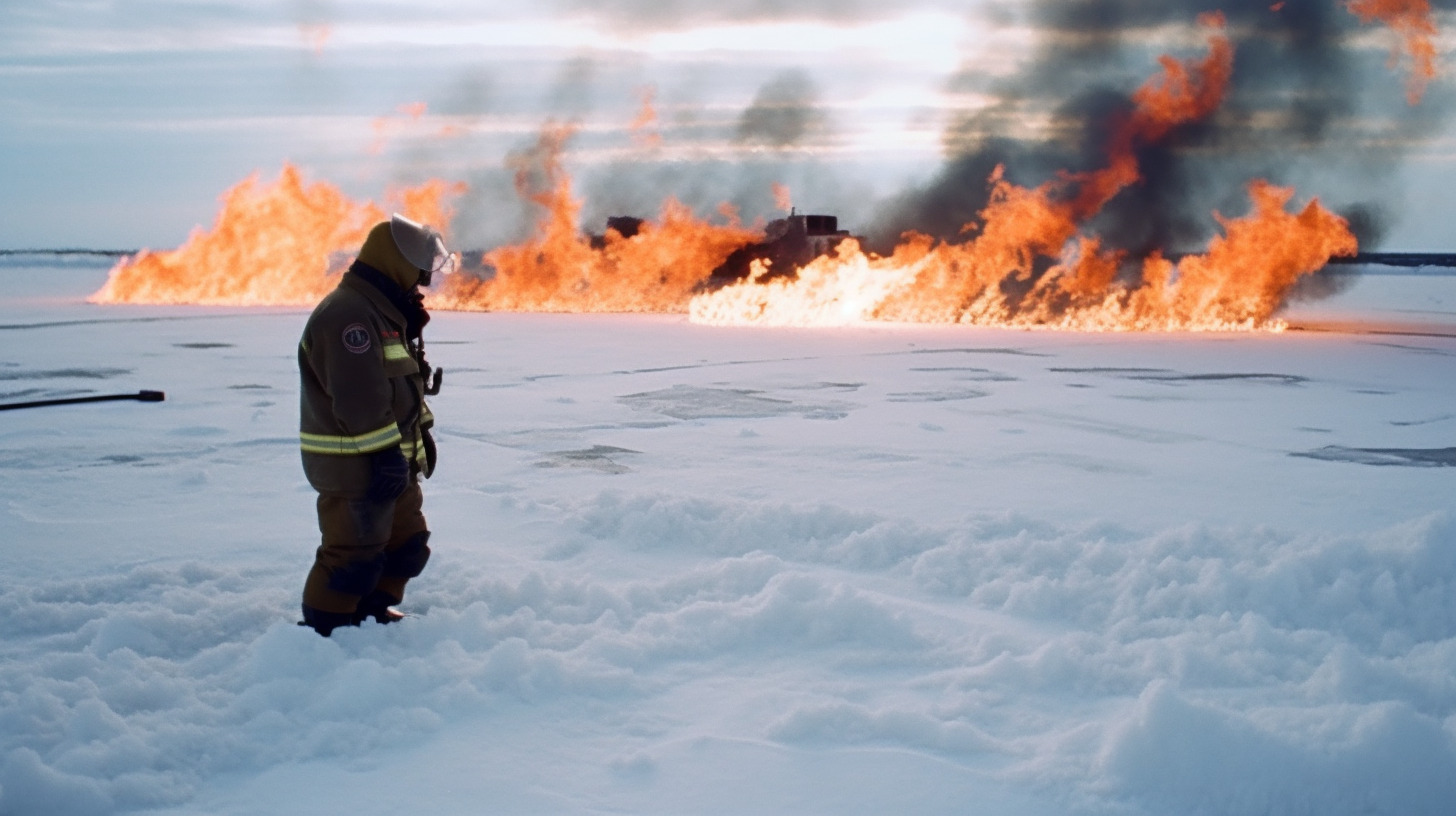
(380, 252)
(422, 246)
(408, 252)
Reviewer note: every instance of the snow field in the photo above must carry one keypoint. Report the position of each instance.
(678, 570)
(1176, 670)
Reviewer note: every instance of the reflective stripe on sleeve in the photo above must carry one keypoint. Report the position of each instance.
(395, 350)
(386, 437)
(414, 450)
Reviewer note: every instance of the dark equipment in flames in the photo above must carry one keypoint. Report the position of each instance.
(788, 245)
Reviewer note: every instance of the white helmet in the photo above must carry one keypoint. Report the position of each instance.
(422, 246)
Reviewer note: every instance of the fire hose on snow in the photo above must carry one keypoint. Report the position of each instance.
(140, 396)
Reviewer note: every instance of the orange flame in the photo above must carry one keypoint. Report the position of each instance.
(317, 35)
(783, 199)
(643, 128)
(560, 270)
(1237, 285)
(1412, 21)
(412, 111)
(1182, 93)
(268, 247)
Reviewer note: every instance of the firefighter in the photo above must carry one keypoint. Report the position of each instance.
(365, 427)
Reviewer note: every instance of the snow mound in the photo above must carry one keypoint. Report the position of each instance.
(1187, 670)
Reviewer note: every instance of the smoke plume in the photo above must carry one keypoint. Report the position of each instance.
(1303, 105)
(783, 113)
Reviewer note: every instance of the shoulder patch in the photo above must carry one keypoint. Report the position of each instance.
(356, 338)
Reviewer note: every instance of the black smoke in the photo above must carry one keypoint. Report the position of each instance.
(1305, 108)
(783, 113)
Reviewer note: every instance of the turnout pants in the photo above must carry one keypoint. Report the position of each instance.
(369, 549)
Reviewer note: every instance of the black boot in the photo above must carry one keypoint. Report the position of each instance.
(326, 622)
(377, 605)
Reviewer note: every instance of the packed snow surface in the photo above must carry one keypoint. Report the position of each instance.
(691, 570)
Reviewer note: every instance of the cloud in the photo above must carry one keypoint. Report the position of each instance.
(654, 14)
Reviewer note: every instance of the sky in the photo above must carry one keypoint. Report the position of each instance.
(122, 121)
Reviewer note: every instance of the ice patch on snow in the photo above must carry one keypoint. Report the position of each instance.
(597, 457)
(692, 402)
(1397, 457)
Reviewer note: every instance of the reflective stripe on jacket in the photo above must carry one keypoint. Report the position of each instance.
(361, 392)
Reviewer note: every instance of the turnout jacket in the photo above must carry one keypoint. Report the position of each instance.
(363, 389)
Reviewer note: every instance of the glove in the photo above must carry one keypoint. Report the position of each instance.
(388, 475)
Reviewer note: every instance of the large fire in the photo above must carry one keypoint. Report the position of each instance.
(992, 279)
(561, 270)
(269, 246)
(1235, 286)
(1028, 260)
